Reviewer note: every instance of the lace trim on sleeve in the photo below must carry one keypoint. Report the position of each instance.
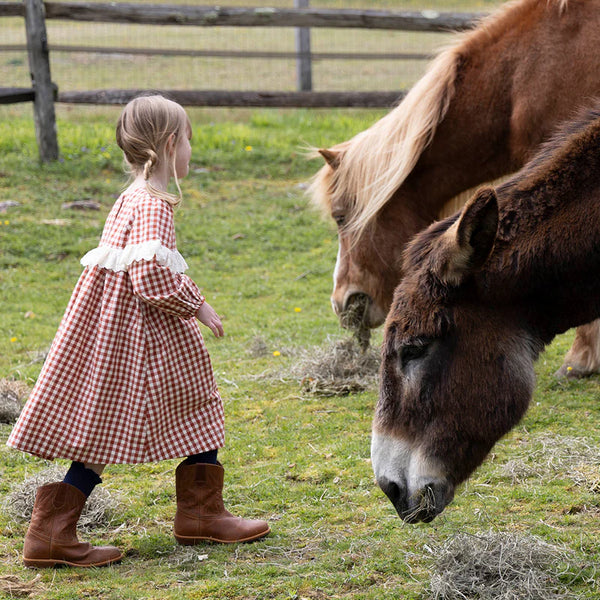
(119, 259)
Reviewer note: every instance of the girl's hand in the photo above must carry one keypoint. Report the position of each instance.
(206, 314)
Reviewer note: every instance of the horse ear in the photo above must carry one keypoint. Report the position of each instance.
(474, 236)
(332, 157)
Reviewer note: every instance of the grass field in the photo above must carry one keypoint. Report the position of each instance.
(259, 253)
(264, 260)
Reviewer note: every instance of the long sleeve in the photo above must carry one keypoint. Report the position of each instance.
(160, 287)
(158, 277)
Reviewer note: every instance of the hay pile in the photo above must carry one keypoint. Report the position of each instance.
(12, 398)
(499, 566)
(555, 457)
(338, 369)
(97, 512)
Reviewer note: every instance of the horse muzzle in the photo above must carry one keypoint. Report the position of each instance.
(357, 311)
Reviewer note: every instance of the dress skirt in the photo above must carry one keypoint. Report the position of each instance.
(128, 378)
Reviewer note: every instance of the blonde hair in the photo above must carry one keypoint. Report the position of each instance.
(143, 130)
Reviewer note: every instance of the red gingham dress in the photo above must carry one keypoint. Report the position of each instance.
(128, 378)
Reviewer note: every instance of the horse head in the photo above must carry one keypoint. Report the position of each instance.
(455, 376)
(369, 259)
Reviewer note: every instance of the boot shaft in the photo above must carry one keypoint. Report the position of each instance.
(56, 510)
(199, 488)
(201, 515)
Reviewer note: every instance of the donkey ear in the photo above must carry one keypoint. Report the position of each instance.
(332, 157)
(474, 236)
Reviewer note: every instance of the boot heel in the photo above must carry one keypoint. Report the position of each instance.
(187, 541)
(39, 563)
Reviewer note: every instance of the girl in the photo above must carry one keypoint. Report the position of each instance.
(128, 378)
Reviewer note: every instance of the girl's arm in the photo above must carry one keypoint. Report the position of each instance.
(157, 285)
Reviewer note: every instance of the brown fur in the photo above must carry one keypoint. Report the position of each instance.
(483, 323)
(502, 90)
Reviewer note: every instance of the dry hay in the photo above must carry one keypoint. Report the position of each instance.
(499, 566)
(97, 512)
(258, 347)
(15, 587)
(338, 369)
(556, 457)
(354, 319)
(12, 397)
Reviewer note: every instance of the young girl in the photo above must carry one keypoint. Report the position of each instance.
(128, 378)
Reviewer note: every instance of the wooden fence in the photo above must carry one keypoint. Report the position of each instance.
(302, 18)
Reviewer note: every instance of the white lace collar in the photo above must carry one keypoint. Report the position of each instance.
(119, 259)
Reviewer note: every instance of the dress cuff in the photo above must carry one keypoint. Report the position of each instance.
(119, 259)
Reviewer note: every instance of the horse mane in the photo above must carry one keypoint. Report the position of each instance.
(377, 161)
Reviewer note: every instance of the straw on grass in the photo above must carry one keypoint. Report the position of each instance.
(15, 587)
(499, 566)
(555, 457)
(97, 512)
(337, 369)
(12, 397)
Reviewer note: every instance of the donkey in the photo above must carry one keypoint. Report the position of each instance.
(480, 112)
(483, 293)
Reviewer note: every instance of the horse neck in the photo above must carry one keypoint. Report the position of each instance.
(546, 257)
(503, 105)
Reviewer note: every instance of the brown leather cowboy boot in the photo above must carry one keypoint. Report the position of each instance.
(51, 539)
(201, 514)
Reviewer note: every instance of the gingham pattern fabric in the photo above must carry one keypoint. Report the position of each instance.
(128, 378)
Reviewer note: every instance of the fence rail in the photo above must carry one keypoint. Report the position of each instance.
(223, 53)
(243, 99)
(216, 16)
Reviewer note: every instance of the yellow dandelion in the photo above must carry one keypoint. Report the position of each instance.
(13, 340)
(7, 222)
(569, 368)
(297, 309)
(276, 353)
(248, 148)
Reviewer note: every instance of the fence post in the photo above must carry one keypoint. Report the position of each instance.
(303, 61)
(39, 67)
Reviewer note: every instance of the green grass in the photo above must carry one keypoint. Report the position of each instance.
(258, 252)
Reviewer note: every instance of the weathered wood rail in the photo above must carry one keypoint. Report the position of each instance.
(243, 99)
(216, 16)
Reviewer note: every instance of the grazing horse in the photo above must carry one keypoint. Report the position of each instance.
(483, 293)
(480, 112)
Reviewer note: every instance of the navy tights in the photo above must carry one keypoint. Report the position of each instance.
(86, 480)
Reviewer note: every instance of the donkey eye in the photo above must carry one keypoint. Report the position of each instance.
(412, 352)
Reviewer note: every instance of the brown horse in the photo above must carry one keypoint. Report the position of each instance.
(483, 293)
(480, 112)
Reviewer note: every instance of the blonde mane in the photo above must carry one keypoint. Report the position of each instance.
(377, 161)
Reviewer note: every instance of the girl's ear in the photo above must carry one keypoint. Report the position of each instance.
(170, 145)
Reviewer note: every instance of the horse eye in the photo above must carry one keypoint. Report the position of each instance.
(339, 219)
(412, 352)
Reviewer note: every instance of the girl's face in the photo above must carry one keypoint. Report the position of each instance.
(183, 153)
